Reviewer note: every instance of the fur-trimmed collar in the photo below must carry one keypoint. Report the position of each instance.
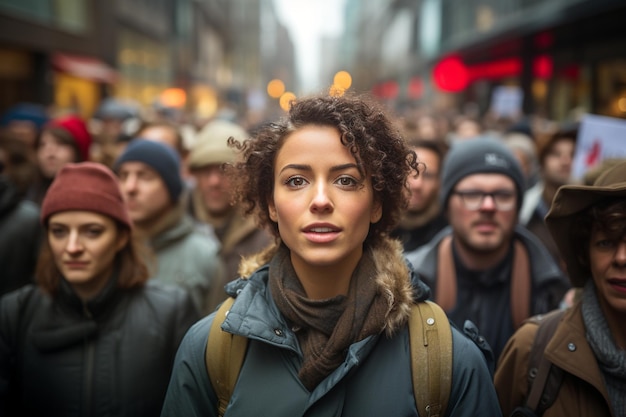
(393, 278)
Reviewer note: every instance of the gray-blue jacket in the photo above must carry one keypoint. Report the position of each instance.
(374, 380)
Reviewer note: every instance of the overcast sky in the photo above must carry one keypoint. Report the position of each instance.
(308, 21)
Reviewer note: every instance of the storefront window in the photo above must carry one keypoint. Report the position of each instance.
(37, 10)
(612, 87)
(70, 15)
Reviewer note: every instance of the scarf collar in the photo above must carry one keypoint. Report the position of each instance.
(393, 278)
(611, 359)
(50, 334)
(326, 328)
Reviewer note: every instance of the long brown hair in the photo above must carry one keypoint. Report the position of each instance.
(133, 272)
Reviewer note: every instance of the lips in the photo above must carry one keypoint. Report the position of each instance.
(485, 226)
(618, 284)
(75, 264)
(321, 233)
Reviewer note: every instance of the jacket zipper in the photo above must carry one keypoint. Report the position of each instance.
(89, 366)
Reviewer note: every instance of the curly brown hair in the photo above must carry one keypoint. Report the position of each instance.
(365, 129)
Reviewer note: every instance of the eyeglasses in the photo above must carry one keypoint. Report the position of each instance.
(473, 199)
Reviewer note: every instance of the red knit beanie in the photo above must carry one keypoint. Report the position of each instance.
(87, 186)
(77, 129)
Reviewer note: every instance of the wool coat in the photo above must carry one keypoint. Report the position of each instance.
(582, 392)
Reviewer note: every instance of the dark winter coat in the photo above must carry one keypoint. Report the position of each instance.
(111, 356)
(487, 304)
(20, 237)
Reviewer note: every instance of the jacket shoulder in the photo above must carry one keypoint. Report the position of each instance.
(15, 306)
(167, 298)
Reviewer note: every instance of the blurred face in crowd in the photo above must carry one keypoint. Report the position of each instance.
(607, 258)
(214, 186)
(425, 186)
(557, 164)
(427, 128)
(52, 154)
(25, 131)
(322, 203)
(467, 129)
(163, 134)
(483, 223)
(145, 194)
(84, 245)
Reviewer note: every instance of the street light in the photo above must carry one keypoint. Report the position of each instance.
(286, 99)
(275, 88)
(343, 79)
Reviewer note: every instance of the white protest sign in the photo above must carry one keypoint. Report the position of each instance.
(506, 101)
(599, 138)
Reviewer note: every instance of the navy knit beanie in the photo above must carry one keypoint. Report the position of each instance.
(479, 156)
(158, 156)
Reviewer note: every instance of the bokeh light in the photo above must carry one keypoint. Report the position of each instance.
(343, 79)
(275, 88)
(286, 99)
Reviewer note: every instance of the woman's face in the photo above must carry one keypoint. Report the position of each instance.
(52, 154)
(322, 204)
(608, 269)
(84, 245)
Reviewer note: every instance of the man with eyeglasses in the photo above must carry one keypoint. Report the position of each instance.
(485, 267)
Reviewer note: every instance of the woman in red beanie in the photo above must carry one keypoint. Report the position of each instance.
(62, 141)
(91, 338)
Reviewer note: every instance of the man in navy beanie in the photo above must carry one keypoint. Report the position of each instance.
(149, 174)
(485, 267)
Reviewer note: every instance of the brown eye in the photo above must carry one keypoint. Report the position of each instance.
(58, 232)
(295, 182)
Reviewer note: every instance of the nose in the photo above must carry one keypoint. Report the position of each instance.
(321, 201)
(128, 184)
(214, 176)
(74, 245)
(488, 203)
(620, 254)
(415, 183)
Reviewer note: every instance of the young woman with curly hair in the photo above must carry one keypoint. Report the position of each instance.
(325, 309)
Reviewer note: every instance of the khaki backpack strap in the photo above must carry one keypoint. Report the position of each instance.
(224, 357)
(431, 358)
(520, 285)
(446, 276)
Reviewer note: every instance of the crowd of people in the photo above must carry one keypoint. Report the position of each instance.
(320, 232)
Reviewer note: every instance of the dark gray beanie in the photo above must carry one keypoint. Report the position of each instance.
(479, 156)
(158, 156)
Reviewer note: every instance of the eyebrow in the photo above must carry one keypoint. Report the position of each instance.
(303, 167)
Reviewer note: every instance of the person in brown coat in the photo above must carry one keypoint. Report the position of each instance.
(588, 224)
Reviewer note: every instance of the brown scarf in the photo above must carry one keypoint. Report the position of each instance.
(326, 328)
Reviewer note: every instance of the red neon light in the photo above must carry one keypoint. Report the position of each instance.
(451, 74)
(387, 89)
(496, 69)
(542, 66)
(415, 88)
